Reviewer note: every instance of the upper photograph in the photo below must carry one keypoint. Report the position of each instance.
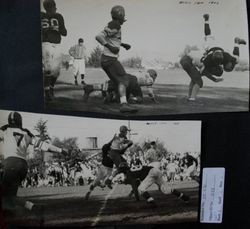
(144, 58)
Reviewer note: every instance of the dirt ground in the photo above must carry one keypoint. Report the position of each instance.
(171, 89)
(66, 206)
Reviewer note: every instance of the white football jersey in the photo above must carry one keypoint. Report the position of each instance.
(14, 142)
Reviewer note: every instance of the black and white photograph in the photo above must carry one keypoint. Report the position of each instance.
(140, 58)
(73, 171)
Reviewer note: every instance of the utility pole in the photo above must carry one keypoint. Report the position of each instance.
(129, 134)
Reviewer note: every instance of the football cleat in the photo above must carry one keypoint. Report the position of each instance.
(125, 108)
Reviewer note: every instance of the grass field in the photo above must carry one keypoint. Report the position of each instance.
(171, 89)
(66, 206)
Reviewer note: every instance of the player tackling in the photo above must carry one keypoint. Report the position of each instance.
(211, 62)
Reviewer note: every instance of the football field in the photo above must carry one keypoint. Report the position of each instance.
(66, 206)
(171, 89)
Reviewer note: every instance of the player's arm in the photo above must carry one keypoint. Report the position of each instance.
(126, 46)
(126, 145)
(45, 146)
(62, 28)
(101, 38)
(213, 78)
(72, 51)
(109, 31)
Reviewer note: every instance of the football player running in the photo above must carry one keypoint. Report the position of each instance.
(52, 29)
(104, 170)
(111, 39)
(118, 147)
(14, 141)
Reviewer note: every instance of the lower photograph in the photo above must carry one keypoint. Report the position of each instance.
(74, 171)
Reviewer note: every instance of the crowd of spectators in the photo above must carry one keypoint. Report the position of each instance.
(81, 173)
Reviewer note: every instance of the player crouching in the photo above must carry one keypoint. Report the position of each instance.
(133, 91)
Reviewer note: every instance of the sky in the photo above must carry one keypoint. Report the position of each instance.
(156, 29)
(177, 136)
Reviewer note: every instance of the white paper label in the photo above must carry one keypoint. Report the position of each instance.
(212, 195)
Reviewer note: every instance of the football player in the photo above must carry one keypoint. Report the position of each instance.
(142, 177)
(52, 29)
(15, 141)
(104, 170)
(133, 92)
(118, 147)
(210, 62)
(110, 38)
(152, 156)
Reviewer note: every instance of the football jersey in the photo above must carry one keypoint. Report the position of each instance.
(112, 35)
(78, 51)
(106, 160)
(15, 142)
(118, 142)
(141, 172)
(52, 35)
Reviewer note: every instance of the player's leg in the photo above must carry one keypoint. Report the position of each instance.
(14, 172)
(76, 70)
(96, 182)
(117, 159)
(237, 42)
(56, 64)
(191, 86)
(47, 59)
(118, 75)
(145, 184)
(82, 71)
(134, 92)
(165, 187)
(194, 74)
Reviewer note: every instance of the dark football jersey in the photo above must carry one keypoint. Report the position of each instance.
(106, 160)
(52, 28)
(141, 172)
